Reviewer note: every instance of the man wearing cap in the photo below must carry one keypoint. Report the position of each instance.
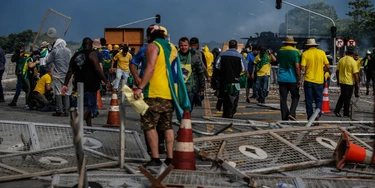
(314, 63)
(163, 87)
(123, 59)
(289, 78)
(231, 64)
(262, 69)
(194, 44)
(347, 76)
(192, 69)
(140, 60)
(43, 69)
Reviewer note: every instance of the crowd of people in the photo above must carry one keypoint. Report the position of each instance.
(174, 78)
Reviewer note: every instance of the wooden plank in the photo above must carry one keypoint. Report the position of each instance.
(154, 182)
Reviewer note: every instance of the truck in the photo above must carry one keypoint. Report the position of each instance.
(133, 37)
(273, 41)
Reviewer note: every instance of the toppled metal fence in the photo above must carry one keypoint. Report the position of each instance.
(269, 151)
(45, 162)
(26, 143)
(212, 180)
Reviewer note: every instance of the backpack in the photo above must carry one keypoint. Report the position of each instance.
(106, 55)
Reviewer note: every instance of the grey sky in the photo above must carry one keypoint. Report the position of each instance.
(208, 20)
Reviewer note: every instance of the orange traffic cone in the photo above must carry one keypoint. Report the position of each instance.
(114, 112)
(183, 155)
(346, 151)
(99, 99)
(325, 105)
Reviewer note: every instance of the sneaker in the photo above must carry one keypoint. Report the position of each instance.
(12, 104)
(168, 161)
(337, 114)
(153, 163)
(27, 107)
(248, 100)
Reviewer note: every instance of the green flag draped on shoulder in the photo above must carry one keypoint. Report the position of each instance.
(175, 78)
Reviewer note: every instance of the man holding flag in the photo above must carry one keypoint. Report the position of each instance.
(164, 90)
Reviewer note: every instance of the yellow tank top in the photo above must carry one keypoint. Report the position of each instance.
(158, 87)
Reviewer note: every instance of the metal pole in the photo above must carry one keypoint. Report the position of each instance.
(308, 30)
(150, 18)
(312, 118)
(77, 126)
(287, 23)
(122, 127)
(329, 122)
(333, 22)
(80, 105)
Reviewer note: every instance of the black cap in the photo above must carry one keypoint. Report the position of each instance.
(350, 49)
(194, 40)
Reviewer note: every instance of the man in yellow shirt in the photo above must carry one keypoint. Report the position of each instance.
(314, 63)
(347, 75)
(42, 87)
(123, 59)
(262, 67)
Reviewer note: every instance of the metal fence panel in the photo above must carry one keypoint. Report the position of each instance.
(45, 162)
(255, 153)
(11, 134)
(334, 183)
(46, 136)
(273, 150)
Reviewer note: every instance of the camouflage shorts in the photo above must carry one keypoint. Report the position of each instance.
(159, 115)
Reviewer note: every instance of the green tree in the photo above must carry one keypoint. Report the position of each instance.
(363, 20)
(10, 42)
(298, 20)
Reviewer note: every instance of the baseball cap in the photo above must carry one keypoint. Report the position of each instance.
(153, 29)
(194, 40)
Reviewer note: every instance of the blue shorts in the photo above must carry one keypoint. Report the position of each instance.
(90, 101)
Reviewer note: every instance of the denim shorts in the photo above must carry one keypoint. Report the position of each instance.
(90, 101)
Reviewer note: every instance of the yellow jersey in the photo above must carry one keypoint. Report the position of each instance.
(314, 61)
(347, 66)
(42, 82)
(123, 61)
(158, 87)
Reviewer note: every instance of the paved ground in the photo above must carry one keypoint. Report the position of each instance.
(246, 111)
